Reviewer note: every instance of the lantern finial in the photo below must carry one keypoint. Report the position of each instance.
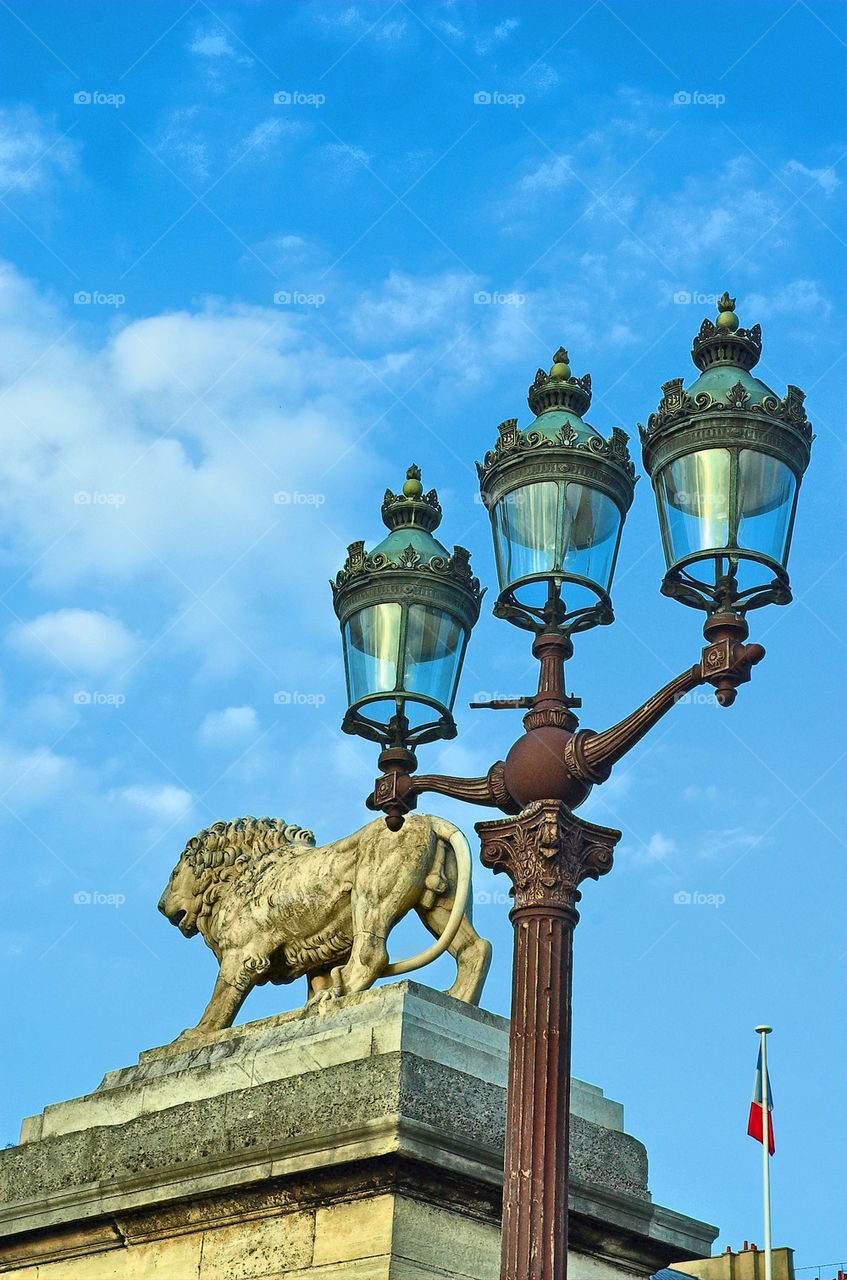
(558, 389)
(727, 319)
(412, 508)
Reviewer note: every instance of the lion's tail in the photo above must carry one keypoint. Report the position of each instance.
(449, 834)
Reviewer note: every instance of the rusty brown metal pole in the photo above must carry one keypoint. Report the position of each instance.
(546, 852)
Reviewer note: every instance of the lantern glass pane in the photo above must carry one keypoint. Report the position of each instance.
(694, 492)
(526, 529)
(591, 531)
(765, 497)
(372, 644)
(555, 527)
(433, 652)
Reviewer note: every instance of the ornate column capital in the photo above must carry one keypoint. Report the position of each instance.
(546, 852)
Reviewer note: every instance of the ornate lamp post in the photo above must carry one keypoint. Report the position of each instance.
(726, 458)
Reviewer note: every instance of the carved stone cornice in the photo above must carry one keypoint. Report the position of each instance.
(547, 852)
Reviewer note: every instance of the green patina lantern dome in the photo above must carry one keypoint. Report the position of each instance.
(406, 611)
(726, 456)
(557, 494)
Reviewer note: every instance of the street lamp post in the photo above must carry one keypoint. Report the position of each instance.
(726, 457)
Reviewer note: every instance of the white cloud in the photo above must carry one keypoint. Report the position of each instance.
(32, 778)
(544, 78)
(183, 142)
(197, 420)
(230, 727)
(701, 795)
(32, 150)
(85, 641)
(797, 298)
(658, 849)
(827, 179)
(711, 846)
(265, 137)
(215, 44)
(504, 29)
(407, 304)
(551, 175)
(163, 804)
(353, 22)
(348, 162)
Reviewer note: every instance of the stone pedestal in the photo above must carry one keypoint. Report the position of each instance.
(365, 1143)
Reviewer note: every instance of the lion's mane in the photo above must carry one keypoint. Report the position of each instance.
(220, 853)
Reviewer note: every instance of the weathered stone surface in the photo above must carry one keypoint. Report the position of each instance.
(272, 1247)
(366, 1144)
(402, 1016)
(272, 907)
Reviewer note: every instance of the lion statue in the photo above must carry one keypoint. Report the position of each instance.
(273, 908)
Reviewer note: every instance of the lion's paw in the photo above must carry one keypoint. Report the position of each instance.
(323, 1000)
(188, 1038)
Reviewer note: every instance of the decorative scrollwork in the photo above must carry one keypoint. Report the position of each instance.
(457, 566)
(546, 853)
(677, 405)
(513, 441)
(737, 396)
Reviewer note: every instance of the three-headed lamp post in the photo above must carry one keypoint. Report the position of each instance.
(726, 457)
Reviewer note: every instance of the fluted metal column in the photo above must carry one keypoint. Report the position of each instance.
(546, 852)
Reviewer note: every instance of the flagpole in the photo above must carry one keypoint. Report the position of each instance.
(766, 1123)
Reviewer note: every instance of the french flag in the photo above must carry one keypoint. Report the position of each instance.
(755, 1125)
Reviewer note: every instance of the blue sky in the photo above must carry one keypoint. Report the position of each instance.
(282, 301)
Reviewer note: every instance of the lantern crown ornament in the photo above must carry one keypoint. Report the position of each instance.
(406, 611)
(557, 494)
(726, 456)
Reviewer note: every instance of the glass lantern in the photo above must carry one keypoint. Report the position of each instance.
(726, 458)
(406, 611)
(557, 494)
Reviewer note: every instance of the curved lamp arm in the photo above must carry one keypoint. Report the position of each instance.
(725, 664)
(588, 757)
(398, 788)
